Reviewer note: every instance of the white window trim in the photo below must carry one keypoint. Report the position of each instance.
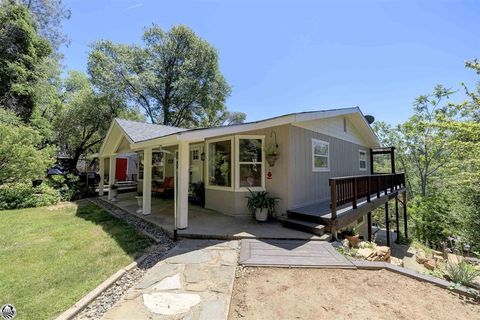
(316, 169)
(360, 160)
(237, 163)
(232, 164)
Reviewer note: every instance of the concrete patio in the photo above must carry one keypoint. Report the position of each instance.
(209, 224)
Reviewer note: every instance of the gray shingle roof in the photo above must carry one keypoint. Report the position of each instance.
(140, 131)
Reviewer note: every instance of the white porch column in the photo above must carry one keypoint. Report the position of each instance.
(147, 181)
(111, 175)
(182, 188)
(102, 176)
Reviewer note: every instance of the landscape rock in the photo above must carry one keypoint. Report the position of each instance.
(429, 264)
(420, 257)
(396, 261)
(365, 252)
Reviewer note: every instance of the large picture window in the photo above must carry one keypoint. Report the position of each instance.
(320, 155)
(220, 163)
(250, 167)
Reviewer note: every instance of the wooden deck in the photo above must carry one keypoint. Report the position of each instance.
(290, 253)
(320, 212)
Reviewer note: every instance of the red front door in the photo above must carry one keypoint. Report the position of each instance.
(121, 169)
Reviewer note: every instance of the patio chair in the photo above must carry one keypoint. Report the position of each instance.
(165, 189)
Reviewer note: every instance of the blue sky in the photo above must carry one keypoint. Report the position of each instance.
(290, 56)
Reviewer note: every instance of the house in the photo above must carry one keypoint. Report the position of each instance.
(315, 149)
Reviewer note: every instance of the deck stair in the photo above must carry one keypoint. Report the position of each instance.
(303, 225)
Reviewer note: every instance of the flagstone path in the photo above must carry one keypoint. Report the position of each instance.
(195, 281)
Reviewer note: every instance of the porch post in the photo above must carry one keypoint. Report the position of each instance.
(102, 176)
(182, 188)
(111, 175)
(147, 181)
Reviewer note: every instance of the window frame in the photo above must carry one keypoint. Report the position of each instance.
(238, 163)
(320, 169)
(360, 151)
(232, 165)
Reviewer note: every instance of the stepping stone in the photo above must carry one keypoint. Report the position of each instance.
(169, 283)
(158, 273)
(170, 303)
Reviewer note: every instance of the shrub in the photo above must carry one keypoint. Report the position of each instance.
(462, 272)
(23, 195)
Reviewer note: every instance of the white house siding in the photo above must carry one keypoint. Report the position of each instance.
(307, 187)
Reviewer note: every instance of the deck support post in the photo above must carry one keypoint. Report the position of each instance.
(101, 184)
(397, 222)
(387, 223)
(405, 219)
(369, 226)
(147, 181)
(111, 175)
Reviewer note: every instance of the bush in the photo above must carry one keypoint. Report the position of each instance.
(23, 195)
(67, 186)
(462, 273)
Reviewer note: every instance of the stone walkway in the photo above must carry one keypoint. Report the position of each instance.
(195, 281)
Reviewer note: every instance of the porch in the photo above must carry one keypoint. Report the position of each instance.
(205, 223)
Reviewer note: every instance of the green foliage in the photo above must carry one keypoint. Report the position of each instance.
(261, 200)
(20, 158)
(462, 272)
(48, 16)
(66, 186)
(175, 77)
(432, 219)
(22, 51)
(85, 117)
(23, 195)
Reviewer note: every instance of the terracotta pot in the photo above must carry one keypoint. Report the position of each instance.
(261, 214)
(353, 240)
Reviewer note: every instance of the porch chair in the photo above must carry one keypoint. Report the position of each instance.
(165, 189)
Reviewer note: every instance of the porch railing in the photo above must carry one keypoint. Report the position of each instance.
(349, 190)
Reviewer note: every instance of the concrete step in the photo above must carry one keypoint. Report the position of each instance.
(306, 226)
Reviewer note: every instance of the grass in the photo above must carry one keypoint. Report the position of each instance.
(51, 258)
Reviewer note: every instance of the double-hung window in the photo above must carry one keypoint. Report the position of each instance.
(250, 168)
(362, 156)
(320, 155)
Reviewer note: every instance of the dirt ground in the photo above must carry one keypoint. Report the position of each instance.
(281, 293)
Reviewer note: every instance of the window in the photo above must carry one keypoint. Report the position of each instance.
(250, 164)
(220, 163)
(195, 154)
(362, 155)
(320, 155)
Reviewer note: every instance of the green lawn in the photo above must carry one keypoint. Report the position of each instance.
(49, 259)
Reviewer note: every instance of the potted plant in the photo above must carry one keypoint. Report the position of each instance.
(113, 192)
(352, 236)
(139, 198)
(271, 155)
(260, 204)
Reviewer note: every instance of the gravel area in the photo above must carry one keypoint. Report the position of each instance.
(149, 229)
(97, 308)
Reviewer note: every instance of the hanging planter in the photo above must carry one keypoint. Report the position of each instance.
(271, 159)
